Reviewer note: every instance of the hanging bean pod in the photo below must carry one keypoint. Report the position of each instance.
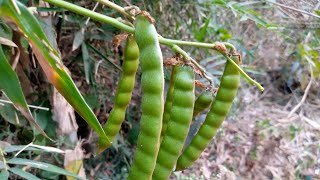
(229, 85)
(152, 82)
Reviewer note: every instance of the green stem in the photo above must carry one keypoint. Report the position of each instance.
(162, 39)
(114, 22)
(170, 42)
(91, 14)
(229, 45)
(244, 74)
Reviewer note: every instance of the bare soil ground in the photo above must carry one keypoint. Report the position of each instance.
(274, 135)
(261, 141)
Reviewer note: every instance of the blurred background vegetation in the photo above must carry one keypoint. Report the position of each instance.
(264, 137)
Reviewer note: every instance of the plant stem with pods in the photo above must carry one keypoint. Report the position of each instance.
(174, 44)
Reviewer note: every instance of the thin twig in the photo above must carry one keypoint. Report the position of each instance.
(116, 7)
(30, 106)
(303, 97)
(25, 147)
(294, 9)
(94, 8)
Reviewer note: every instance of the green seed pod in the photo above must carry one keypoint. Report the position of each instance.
(152, 82)
(230, 81)
(124, 92)
(202, 103)
(168, 103)
(178, 125)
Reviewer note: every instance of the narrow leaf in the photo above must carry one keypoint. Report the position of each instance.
(14, 148)
(78, 39)
(201, 35)
(42, 165)
(50, 60)
(4, 175)
(86, 62)
(95, 50)
(9, 113)
(23, 174)
(32, 147)
(10, 85)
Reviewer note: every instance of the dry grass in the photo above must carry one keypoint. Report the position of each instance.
(261, 140)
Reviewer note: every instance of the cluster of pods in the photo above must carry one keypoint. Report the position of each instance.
(165, 124)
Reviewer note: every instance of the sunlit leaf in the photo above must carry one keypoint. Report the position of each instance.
(219, 2)
(42, 165)
(74, 167)
(315, 58)
(73, 160)
(311, 56)
(224, 34)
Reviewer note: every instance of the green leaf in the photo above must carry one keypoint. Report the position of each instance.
(315, 59)
(78, 39)
(10, 85)
(95, 50)
(219, 2)
(86, 62)
(316, 70)
(43, 166)
(4, 175)
(42, 119)
(311, 56)
(224, 34)
(246, 13)
(9, 113)
(200, 36)
(14, 148)
(5, 31)
(23, 174)
(50, 61)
